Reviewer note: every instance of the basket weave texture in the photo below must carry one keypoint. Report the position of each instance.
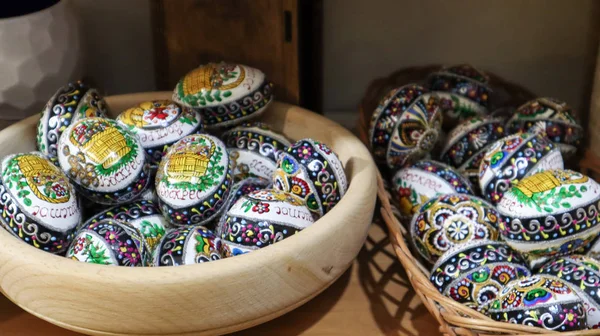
(454, 318)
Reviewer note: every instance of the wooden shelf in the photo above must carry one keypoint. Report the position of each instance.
(372, 298)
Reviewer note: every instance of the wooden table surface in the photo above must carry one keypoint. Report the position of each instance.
(372, 298)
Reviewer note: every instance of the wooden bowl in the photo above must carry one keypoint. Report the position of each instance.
(211, 298)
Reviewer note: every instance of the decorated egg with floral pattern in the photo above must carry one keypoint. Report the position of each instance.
(239, 189)
(224, 94)
(70, 103)
(143, 215)
(405, 126)
(263, 218)
(189, 245)
(39, 205)
(105, 162)
(423, 180)
(449, 220)
(253, 149)
(159, 124)
(540, 301)
(110, 242)
(549, 214)
(583, 274)
(560, 125)
(193, 180)
(475, 273)
(463, 91)
(513, 158)
(312, 171)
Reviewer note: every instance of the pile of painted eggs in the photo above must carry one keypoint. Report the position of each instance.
(502, 226)
(152, 188)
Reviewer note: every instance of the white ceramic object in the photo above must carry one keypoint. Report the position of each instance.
(254, 149)
(189, 245)
(225, 94)
(106, 163)
(540, 301)
(263, 218)
(583, 274)
(39, 204)
(193, 180)
(550, 213)
(159, 124)
(40, 52)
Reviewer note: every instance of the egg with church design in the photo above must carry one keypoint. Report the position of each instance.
(263, 218)
(549, 214)
(193, 180)
(310, 170)
(224, 94)
(105, 162)
(159, 124)
(253, 149)
(39, 204)
(189, 245)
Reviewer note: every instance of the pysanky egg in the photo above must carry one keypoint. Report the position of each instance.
(405, 126)
(70, 103)
(239, 189)
(110, 242)
(253, 150)
(189, 245)
(551, 213)
(106, 163)
(193, 180)
(452, 219)
(463, 91)
(583, 274)
(540, 301)
(475, 273)
(423, 180)
(143, 215)
(312, 171)
(159, 124)
(224, 94)
(560, 125)
(468, 141)
(39, 205)
(513, 158)
(263, 218)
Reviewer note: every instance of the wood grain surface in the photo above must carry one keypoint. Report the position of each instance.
(372, 298)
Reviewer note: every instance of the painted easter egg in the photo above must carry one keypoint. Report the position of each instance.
(467, 143)
(104, 161)
(239, 189)
(405, 126)
(70, 103)
(475, 273)
(39, 205)
(452, 219)
(263, 218)
(110, 242)
(583, 273)
(224, 94)
(540, 301)
(423, 180)
(560, 125)
(159, 124)
(513, 158)
(312, 171)
(253, 149)
(463, 92)
(193, 180)
(552, 213)
(143, 215)
(189, 245)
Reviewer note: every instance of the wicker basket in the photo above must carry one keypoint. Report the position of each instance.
(454, 318)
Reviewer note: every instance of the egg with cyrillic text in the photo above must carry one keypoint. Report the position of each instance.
(106, 163)
(193, 180)
(263, 218)
(38, 201)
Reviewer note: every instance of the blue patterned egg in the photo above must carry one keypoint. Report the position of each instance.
(189, 245)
